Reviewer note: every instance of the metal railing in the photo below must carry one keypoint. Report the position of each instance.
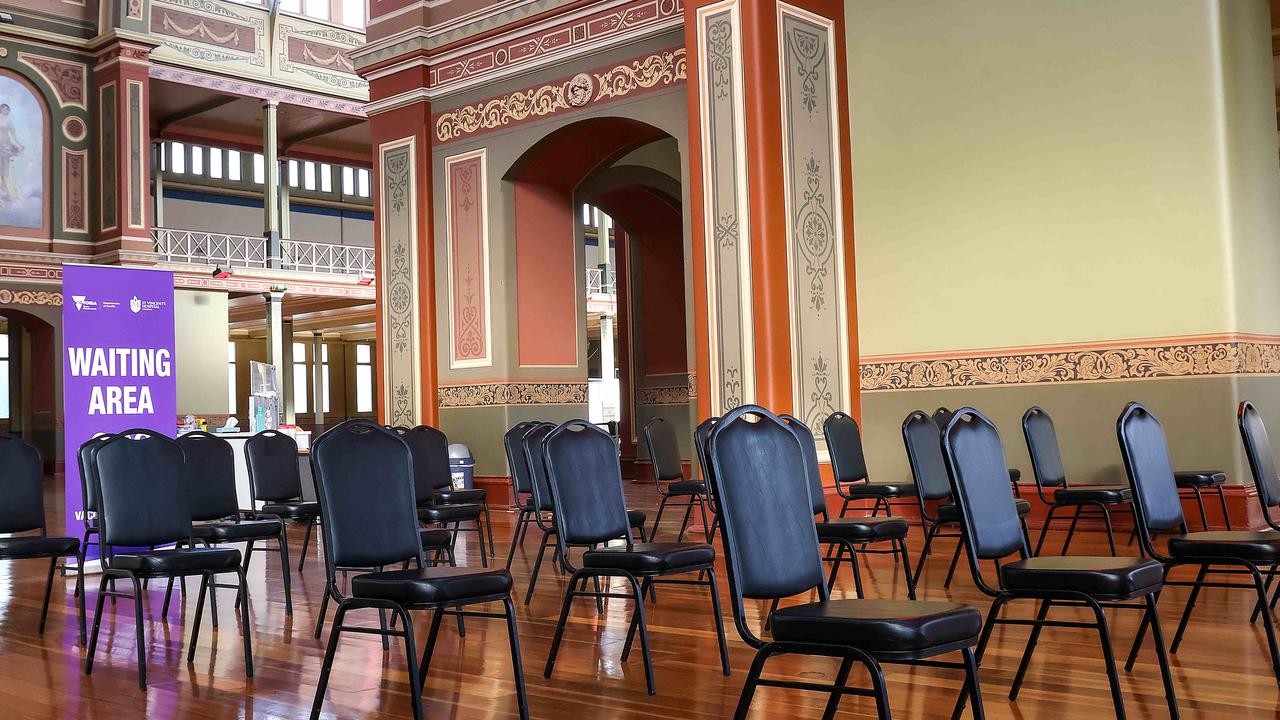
(200, 248)
(598, 284)
(326, 258)
(189, 246)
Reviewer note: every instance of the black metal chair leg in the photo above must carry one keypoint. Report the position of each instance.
(1111, 536)
(306, 542)
(80, 597)
(719, 617)
(564, 618)
(684, 524)
(644, 636)
(749, 687)
(1157, 636)
(835, 565)
(97, 624)
(662, 506)
(1032, 639)
(906, 568)
(244, 565)
(1204, 516)
(1044, 529)
(244, 624)
(488, 523)
(168, 593)
(1226, 514)
(1271, 576)
(1186, 612)
(327, 664)
(140, 633)
(955, 560)
(1108, 658)
(537, 565)
(972, 683)
(324, 608)
(410, 648)
(517, 664)
(635, 621)
(924, 551)
(842, 677)
(1071, 531)
(195, 626)
(286, 570)
(1268, 624)
(48, 590)
(429, 649)
(521, 521)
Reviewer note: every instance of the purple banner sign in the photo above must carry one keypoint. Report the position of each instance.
(117, 361)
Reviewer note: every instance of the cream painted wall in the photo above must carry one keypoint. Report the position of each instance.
(1045, 172)
(200, 322)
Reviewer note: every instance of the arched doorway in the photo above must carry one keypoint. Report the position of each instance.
(614, 186)
(29, 380)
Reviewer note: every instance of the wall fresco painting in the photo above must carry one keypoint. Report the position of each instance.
(22, 156)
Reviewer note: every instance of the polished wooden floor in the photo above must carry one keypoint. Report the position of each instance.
(1221, 671)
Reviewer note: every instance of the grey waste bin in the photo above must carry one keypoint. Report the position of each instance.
(462, 466)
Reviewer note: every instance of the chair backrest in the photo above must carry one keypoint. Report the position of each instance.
(980, 485)
(1257, 447)
(21, 485)
(142, 489)
(1042, 443)
(513, 443)
(211, 476)
(771, 544)
(812, 475)
(439, 472)
(364, 480)
(88, 486)
(844, 442)
(586, 484)
(1146, 460)
(664, 451)
(942, 416)
(701, 435)
(272, 459)
(532, 444)
(430, 450)
(924, 453)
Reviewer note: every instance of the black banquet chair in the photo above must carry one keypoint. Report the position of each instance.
(849, 535)
(668, 476)
(22, 511)
(1266, 479)
(590, 511)
(701, 434)
(143, 501)
(364, 477)
(993, 532)
(445, 495)
(521, 483)
(849, 466)
(923, 439)
(272, 459)
(1046, 466)
(771, 549)
(1158, 506)
(216, 511)
(430, 452)
(88, 495)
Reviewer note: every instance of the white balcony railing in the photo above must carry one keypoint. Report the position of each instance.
(326, 258)
(598, 284)
(203, 248)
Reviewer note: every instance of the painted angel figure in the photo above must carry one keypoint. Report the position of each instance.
(10, 147)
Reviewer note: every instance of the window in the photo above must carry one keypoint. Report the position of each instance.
(4, 374)
(215, 163)
(178, 159)
(299, 378)
(364, 379)
(348, 181)
(233, 165)
(362, 182)
(293, 173)
(231, 377)
(324, 377)
(197, 160)
(326, 178)
(259, 169)
(309, 175)
(318, 9)
(293, 6)
(353, 13)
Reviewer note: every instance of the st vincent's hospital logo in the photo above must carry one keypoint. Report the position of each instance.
(135, 305)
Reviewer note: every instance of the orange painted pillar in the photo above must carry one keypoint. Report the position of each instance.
(772, 207)
(404, 243)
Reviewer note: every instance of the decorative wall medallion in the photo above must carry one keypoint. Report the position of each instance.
(467, 253)
(651, 72)
(513, 393)
(1197, 356)
(68, 79)
(74, 129)
(812, 148)
(726, 232)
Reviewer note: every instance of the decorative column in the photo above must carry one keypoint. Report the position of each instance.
(157, 205)
(271, 181)
(275, 342)
(121, 90)
(775, 303)
(283, 173)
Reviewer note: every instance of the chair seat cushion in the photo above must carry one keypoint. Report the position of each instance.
(37, 546)
(448, 513)
(949, 511)
(1256, 546)
(686, 488)
(292, 510)
(863, 528)
(431, 585)
(435, 538)
(879, 625)
(650, 557)
(1108, 577)
(457, 497)
(186, 561)
(878, 490)
(1093, 493)
(1199, 478)
(237, 531)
